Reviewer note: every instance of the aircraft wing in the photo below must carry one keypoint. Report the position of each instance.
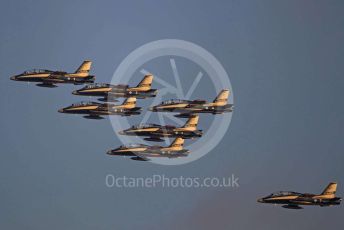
(140, 157)
(129, 113)
(184, 115)
(98, 113)
(291, 206)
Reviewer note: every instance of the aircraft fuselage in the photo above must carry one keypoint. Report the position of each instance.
(52, 77)
(115, 91)
(302, 199)
(98, 109)
(193, 108)
(163, 131)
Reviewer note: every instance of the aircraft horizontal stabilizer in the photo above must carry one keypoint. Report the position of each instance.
(184, 115)
(93, 117)
(153, 139)
(107, 99)
(46, 85)
(292, 206)
(139, 159)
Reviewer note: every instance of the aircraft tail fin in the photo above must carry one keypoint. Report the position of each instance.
(192, 122)
(84, 68)
(146, 82)
(330, 190)
(222, 98)
(178, 143)
(130, 102)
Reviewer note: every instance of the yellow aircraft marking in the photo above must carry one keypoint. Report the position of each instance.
(144, 130)
(184, 129)
(209, 104)
(97, 90)
(173, 148)
(324, 196)
(77, 75)
(215, 104)
(139, 89)
(83, 108)
(194, 109)
(132, 149)
(35, 75)
(172, 106)
(283, 198)
(120, 106)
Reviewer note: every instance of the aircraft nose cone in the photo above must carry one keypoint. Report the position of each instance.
(121, 132)
(151, 109)
(60, 110)
(13, 78)
(260, 200)
(75, 92)
(109, 152)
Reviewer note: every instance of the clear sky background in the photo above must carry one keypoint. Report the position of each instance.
(285, 61)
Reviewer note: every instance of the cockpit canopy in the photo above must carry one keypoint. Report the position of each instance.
(37, 71)
(84, 103)
(132, 146)
(139, 126)
(174, 101)
(198, 101)
(284, 193)
(97, 85)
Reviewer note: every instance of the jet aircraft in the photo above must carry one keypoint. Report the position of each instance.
(155, 132)
(141, 152)
(48, 78)
(186, 108)
(292, 200)
(109, 92)
(94, 110)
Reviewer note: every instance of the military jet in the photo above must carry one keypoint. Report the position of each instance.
(48, 78)
(154, 132)
(141, 152)
(109, 92)
(94, 110)
(292, 200)
(186, 108)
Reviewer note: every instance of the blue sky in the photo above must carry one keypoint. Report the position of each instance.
(285, 62)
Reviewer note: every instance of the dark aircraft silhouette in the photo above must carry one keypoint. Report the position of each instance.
(48, 78)
(154, 132)
(110, 92)
(186, 107)
(94, 110)
(143, 152)
(292, 200)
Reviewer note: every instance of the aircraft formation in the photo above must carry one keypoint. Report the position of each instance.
(108, 94)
